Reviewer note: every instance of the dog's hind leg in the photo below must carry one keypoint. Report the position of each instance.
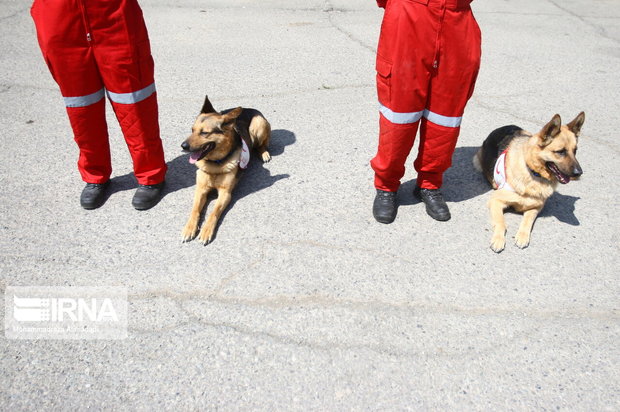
(208, 228)
(498, 241)
(260, 130)
(522, 239)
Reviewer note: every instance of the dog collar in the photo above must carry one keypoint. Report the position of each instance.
(244, 158)
(225, 158)
(534, 173)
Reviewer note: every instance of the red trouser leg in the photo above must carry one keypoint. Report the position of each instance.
(123, 54)
(141, 130)
(437, 145)
(395, 143)
(62, 37)
(91, 135)
(451, 86)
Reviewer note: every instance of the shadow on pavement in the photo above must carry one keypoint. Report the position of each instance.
(460, 182)
(562, 207)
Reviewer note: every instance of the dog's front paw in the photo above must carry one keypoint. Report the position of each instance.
(498, 243)
(522, 240)
(206, 235)
(266, 156)
(189, 232)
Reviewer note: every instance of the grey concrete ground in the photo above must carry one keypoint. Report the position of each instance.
(303, 302)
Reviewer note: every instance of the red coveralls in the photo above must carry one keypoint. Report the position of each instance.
(427, 63)
(93, 47)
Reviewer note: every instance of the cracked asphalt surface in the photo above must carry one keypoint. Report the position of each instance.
(303, 301)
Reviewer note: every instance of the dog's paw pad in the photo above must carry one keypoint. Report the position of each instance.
(266, 157)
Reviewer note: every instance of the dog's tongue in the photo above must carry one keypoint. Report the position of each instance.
(562, 178)
(194, 156)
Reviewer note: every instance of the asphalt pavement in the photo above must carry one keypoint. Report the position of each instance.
(304, 302)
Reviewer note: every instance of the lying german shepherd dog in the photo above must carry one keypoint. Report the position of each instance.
(220, 146)
(524, 169)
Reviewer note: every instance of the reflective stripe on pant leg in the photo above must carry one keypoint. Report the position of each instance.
(132, 97)
(83, 101)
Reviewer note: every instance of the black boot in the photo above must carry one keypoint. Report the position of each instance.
(436, 207)
(93, 195)
(384, 207)
(147, 196)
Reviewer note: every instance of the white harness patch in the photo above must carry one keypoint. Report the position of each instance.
(244, 159)
(499, 173)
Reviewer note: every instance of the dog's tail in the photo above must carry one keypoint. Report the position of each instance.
(477, 161)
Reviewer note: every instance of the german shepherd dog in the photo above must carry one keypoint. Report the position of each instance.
(220, 146)
(524, 169)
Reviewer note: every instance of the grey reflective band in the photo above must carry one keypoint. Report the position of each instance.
(83, 101)
(400, 118)
(412, 117)
(443, 120)
(131, 98)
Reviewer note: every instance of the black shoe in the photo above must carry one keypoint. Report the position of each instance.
(384, 207)
(147, 196)
(436, 207)
(93, 195)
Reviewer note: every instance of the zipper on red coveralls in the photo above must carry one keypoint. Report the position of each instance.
(438, 40)
(89, 37)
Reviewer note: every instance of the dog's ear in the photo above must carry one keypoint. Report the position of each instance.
(231, 116)
(207, 107)
(550, 130)
(575, 125)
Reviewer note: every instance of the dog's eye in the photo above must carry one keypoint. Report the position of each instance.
(561, 152)
(203, 133)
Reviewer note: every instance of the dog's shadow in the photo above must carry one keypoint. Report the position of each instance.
(562, 207)
(460, 182)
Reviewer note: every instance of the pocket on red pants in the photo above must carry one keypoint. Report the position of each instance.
(384, 80)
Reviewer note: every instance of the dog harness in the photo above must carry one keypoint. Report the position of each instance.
(499, 173)
(427, 63)
(244, 159)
